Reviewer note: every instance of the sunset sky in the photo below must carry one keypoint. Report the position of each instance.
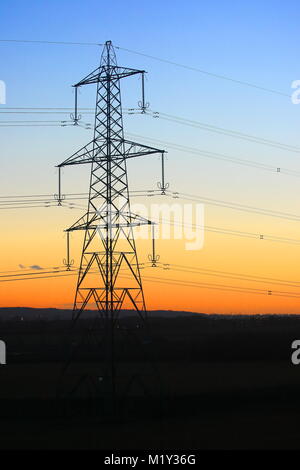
(255, 43)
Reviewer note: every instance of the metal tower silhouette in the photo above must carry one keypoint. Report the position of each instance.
(109, 275)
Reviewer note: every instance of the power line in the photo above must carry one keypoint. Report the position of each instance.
(67, 43)
(229, 275)
(236, 233)
(39, 108)
(178, 120)
(42, 112)
(234, 206)
(68, 196)
(12, 203)
(27, 207)
(21, 270)
(223, 131)
(229, 288)
(258, 236)
(166, 61)
(45, 205)
(219, 156)
(29, 123)
(32, 110)
(205, 72)
(33, 125)
(19, 196)
(38, 273)
(37, 278)
(179, 282)
(72, 196)
(222, 287)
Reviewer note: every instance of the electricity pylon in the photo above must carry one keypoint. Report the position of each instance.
(109, 275)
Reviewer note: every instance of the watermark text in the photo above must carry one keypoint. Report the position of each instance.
(2, 92)
(2, 353)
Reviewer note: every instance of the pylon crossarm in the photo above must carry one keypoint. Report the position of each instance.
(83, 223)
(107, 73)
(87, 154)
(93, 152)
(135, 219)
(98, 221)
(134, 149)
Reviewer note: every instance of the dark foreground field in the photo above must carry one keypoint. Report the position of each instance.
(216, 383)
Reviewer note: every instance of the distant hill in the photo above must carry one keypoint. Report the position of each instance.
(30, 314)
(54, 314)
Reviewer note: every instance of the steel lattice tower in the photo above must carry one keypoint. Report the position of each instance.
(109, 273)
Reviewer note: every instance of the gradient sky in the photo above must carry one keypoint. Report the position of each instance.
(255, 41)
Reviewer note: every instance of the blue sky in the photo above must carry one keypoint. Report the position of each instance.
(255, 41)
(251, 41)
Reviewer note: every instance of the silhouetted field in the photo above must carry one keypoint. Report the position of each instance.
(211, 382)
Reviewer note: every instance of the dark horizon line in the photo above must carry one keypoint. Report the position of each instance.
(186, 312)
